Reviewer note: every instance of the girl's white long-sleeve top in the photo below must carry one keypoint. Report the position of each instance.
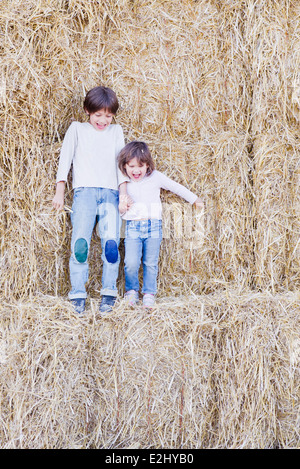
(93, 155)
(146, 196)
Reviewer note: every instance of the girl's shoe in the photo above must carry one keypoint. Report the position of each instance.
(148, 300)
(132, 297)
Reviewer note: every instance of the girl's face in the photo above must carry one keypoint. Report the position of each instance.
(135, 170)
(101, 119)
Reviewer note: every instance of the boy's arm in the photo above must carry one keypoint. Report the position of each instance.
(58, 201)
(65, 160)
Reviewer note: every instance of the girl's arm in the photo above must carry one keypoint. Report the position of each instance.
(176, 188)
(182, 191)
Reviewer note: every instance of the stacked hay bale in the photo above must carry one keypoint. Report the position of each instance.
(272, 34)
(217, 371)
(213, 88)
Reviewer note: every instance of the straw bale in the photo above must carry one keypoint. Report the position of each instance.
(225, 254)
(277, 234)
(210, 371)
(213, 88)
(272, 35)
(273, 45)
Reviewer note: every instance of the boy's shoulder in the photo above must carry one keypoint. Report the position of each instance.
(116, 127)
(76, 124)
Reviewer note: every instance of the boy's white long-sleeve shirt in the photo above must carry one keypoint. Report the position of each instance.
(93, 155)
(146, 196)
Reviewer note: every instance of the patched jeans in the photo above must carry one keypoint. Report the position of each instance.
(91, 204)
(142, 243)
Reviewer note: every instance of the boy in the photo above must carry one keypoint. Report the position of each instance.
(92, 148)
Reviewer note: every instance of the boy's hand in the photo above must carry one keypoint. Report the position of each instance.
(199, 204)
(58, 201)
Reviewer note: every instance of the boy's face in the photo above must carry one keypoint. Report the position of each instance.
(101, 119)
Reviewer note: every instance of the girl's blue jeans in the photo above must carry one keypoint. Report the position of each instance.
(91, 204)
(142, 243)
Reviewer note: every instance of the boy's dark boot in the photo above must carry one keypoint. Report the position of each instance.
(107, 303)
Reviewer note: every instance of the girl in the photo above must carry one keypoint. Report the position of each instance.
(143, 233)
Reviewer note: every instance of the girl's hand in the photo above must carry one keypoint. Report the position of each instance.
(199, 204)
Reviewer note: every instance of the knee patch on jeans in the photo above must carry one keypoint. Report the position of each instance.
(111, 251)
(81, 250)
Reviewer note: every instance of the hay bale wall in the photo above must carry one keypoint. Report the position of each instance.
(214, 89)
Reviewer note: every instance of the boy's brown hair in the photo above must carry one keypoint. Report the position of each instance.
(138, 150)
(101, 97)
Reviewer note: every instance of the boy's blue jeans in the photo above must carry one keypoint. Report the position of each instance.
(142, 241)
(91, 204)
